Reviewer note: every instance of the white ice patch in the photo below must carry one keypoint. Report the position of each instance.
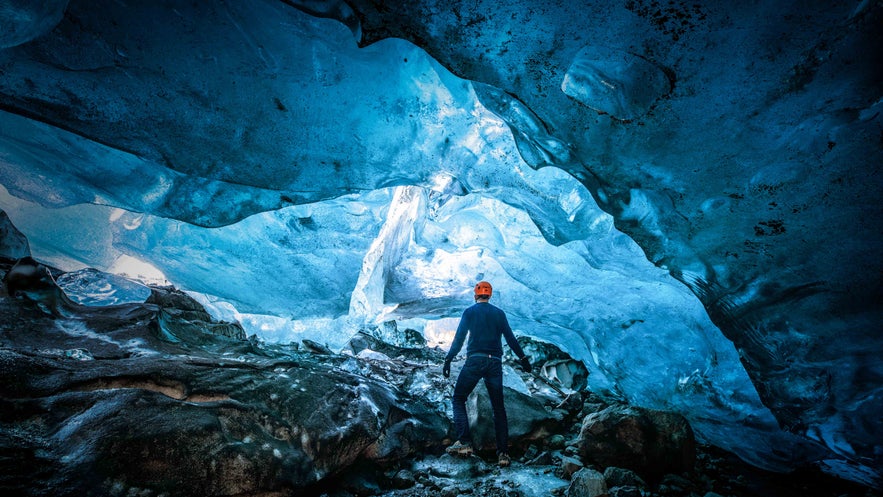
(77, 354)
(373, 355)
(513, 380)
(138, 270)
(80, 330)
(534, 483)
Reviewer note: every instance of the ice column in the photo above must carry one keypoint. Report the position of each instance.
(407, 205)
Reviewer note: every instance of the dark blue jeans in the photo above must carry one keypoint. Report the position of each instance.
(491, 370)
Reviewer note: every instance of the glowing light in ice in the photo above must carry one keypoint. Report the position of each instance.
(441, 332)
(440, 182)
(139, 270)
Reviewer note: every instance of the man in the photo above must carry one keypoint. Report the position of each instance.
(485, 324)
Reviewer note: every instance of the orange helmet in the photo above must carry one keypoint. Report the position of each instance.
(483, 289)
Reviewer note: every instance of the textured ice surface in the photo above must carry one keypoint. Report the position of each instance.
(615, 82)
(21, 21)
(91, 287)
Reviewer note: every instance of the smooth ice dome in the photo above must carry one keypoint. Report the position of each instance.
(684, 198)
(617, 83)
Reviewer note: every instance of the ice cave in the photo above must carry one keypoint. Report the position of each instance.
(236, 239)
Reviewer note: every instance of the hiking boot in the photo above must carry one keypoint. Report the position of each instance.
(459, 449)
(503, 460)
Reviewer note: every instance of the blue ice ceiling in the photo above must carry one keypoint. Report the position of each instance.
(682, 195)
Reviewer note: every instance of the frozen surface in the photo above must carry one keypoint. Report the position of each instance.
(613, 82)
(91, 287)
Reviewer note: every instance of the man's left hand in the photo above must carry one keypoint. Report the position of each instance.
(525, 365)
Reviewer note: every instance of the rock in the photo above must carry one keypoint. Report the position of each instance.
(169, 297)
(587, 483)
(592, 402)
(531, 452)
(450, 491)
(364, 340)
(675, 485)
(544, 459)
(528, 419)
(359, 482)
(557, 441)
(13, 243)
(620, 477)
(626, 492)
(183, 318)
(35, 282)
(569, 466)
(388, 332)
(316, 347)
(649, 442)
(403, 479)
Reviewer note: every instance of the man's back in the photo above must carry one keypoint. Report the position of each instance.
(486, 323)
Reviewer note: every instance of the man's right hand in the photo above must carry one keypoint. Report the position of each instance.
(446, 369)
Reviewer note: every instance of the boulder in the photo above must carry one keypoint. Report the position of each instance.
(587, 483)
(403, 478)
(649, 442)
(13, 243)
(388, 332)
(626, 492)
(529, 421)
(35, 282)
(182, 316)
(569, 466)
(621, 477)
(366, 340)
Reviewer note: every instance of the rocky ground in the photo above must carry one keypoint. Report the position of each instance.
(158, 399)
(716, 474)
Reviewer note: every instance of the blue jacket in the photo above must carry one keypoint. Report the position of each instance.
(485, 324)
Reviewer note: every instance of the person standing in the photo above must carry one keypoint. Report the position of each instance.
(485, 324)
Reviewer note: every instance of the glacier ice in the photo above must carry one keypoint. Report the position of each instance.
(92, 287)
(22, 21)
(615, 82)
(750, 185)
